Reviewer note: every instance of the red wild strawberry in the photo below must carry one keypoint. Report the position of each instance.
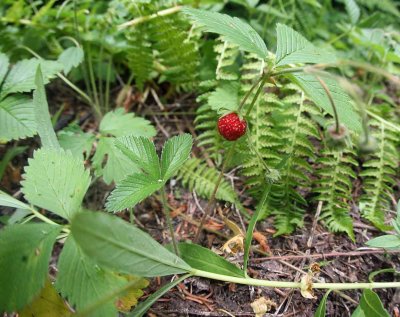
(231, 127)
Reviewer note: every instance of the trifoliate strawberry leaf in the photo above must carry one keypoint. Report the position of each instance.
(292, 47)
(131, 191)
(174, 153)
(314, 90)
(119, 123)
(142, 152)
(80, 143)
(57, 181)
(232, 29)
(70, 58)
(21, 77)
(17, 118)
(110, 162)
(24, 257)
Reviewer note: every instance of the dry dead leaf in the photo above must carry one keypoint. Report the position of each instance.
(262, 305)
(306, 289)
(234, 245)
(262, 240)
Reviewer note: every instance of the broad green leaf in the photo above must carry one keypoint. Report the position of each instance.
(321, 310)
(47, 304)
(225, 98)
(201, 258)
(118, 123)
(313, 89)
(111, 163)
(24, 257)
(142, 152)
(358, 312)
(42, 115)
(174, 153)
(121, 247)
(144, 306)
(21, 77)
(70, 58)
(233, 30)
(17, 118)
(83, 282)
(353, 10)
(292, 47)
(131, 191)
(387, 241)
(9, 201)
(372, 305)
(75, 140)
(56, 181)
(4, 64)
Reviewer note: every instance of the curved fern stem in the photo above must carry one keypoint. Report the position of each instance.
(329, 95)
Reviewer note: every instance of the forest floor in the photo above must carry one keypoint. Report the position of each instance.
(281, 258)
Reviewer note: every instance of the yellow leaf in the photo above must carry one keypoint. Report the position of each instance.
(48, 304)
(234, 245)
(131, 296)
(262, 305)
(306, 289)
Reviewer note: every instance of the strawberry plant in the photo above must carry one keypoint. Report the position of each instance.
(241, 122)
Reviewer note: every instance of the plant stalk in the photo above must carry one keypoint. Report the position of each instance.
(150, 17)
(282, 284)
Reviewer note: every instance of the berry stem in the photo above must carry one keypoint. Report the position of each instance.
(214, 193)
(260, 87)
(260, 83)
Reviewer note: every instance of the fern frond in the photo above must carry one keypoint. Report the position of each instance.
(227, 54)
(202, 178)
(295, 129)
(334, 189)
(176, 52)
(140, 54)
(377, 177)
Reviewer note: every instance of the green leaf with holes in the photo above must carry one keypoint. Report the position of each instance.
(57, 181)
(24, 258)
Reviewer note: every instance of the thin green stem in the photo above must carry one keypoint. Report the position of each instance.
(252, 225)
(38, 215)
(92, 79)
(260, 87)
(214, 193)
(247, 95)
(166, 210)
(282, 284)
(107, 97)
(150, 17)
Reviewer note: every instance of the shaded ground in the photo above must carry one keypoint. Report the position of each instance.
(289, 256)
